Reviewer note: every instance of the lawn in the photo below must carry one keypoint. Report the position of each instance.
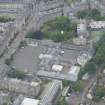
(9, 6)
(96, 35)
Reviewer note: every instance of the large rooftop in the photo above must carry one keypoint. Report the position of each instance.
(29, 101)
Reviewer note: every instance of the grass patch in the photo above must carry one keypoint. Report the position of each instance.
(96, 35)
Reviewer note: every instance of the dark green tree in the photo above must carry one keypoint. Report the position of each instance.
(13, 73)
(78, 87)
(66, 83)
(90, 67)
(99, 92)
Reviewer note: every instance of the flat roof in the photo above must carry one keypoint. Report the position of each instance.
(29, 101)
(74, 70)
(57, 67)
(97, 24)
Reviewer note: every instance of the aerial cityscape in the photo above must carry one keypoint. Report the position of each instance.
(52, 52)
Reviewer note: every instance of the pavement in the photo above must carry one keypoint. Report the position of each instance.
(27, 58)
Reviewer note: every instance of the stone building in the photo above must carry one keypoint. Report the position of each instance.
(18, 86)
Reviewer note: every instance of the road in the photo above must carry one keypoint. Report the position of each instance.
(90, 85)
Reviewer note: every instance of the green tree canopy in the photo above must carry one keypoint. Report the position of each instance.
(6, 19)
(90, 67)
(78, 86)
(53, 29)
(13, 73)
(94, 14)
(66, 83)
(99, 57)
(62, 102)
(99, 92)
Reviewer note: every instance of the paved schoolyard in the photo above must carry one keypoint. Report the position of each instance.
(26, 59)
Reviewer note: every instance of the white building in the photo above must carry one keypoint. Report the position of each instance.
(97, 25)
(57, 68)
(29, 101)
(74, 72)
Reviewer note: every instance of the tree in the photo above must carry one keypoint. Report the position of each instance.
(83, 14)
(99, 92)
(6, 19)
(78, 86)
(93, 13)
(66, 83)
(62, 23)
(62, 102)
(53, 29)
(13, 73)
(90, 67)
(99, 57)
(35, 35)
